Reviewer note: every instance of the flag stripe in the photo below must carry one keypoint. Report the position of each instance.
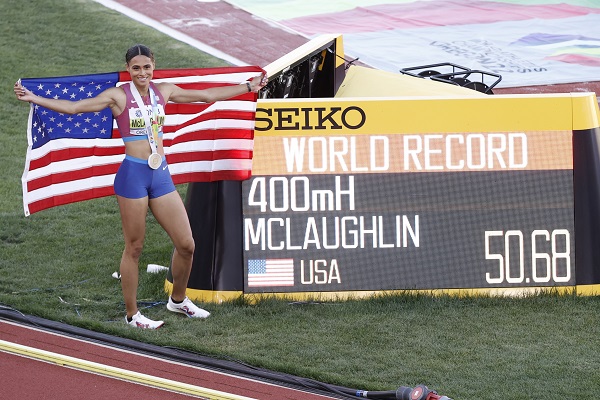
(75, 158)
(225, 118)
(78, 189)
(100, 177)
(74, 152)
(228, 155)
(243, 135)
(212, 166)
(65, 177)
(67, 170)
(232, 175)
(73, 165)
(81, 195)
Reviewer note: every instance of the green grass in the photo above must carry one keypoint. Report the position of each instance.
(58, 263)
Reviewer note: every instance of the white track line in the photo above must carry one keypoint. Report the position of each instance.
(119, 373)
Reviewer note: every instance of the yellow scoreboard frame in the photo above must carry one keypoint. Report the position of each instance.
(456, 194)
(437, 194)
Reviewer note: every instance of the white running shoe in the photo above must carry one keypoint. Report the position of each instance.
(188, 308)
(139, 321)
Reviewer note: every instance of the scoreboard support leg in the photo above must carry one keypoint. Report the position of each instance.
(586, 183)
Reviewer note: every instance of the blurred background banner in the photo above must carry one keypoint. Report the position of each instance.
(528, 42)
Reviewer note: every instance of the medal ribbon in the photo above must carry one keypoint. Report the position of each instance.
(150, 128)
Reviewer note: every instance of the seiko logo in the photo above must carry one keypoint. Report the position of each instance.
(287, 119)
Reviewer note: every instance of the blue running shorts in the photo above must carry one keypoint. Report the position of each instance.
(135, 179)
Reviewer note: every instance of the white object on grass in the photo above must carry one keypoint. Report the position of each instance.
(155, 268)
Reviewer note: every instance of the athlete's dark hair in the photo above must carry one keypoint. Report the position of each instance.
(138, 50)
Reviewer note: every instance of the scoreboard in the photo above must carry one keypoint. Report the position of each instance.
(351, 195)
(439, 189)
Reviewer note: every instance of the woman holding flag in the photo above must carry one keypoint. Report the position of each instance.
(143, 180)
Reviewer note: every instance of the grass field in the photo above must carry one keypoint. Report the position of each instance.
(58, 263)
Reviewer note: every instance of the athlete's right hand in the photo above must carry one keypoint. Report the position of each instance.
(21, 92)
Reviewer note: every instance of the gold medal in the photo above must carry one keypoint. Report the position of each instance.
(155, 160)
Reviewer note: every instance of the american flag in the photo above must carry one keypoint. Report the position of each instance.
(271, 272)
(72, 158)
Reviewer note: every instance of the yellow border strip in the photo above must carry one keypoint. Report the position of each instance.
(209, 296)
(588, 290)
(365, 294)
(413, 115)
(106, 370)
(580, 290)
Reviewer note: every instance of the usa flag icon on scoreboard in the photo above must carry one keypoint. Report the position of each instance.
(271, 272)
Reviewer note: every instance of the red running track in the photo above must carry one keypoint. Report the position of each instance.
(24, 377)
